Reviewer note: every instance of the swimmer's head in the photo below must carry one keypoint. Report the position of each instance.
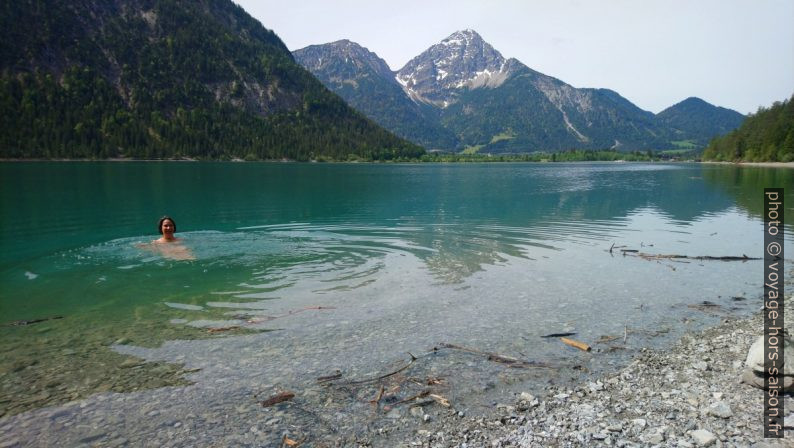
(163, 221)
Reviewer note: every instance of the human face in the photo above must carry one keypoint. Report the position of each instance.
(167, 227)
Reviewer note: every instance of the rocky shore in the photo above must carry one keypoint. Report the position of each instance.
(687, 395)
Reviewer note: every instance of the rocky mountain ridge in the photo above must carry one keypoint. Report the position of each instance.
(365, 81)
(464, 87)
(347, 53)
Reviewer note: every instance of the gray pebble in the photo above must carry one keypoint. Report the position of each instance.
(703, 437)
(720, 409)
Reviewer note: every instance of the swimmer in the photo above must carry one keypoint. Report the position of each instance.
(167, 228)
(168, 245)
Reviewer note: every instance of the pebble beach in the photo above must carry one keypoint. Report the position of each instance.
(688, 395)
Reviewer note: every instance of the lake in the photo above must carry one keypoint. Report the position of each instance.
(305, 271)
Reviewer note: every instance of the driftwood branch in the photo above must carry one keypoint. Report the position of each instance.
(580, 345)
(335, 376)
(276, 399)
(440, 400)
(647, 256)
(687, 257)
(422, 394)
(382, 377)
(377, 398)
(675, 257)
(509, 360)
(21, 323)
(557, 335)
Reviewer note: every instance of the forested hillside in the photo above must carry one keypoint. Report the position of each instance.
(766, 136)
(166, 79)
(694, 122)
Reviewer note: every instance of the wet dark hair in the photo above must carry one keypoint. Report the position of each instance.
(160, 223)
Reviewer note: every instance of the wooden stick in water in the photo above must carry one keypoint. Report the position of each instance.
(276, 399)
(577, 344)
(440, 400)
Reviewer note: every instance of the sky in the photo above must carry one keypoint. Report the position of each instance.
(732, 53)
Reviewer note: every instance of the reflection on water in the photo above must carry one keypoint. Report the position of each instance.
(302, 269)
(746, 184)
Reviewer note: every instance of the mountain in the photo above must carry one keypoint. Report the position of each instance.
(766, 136)
(531, 111)
(162, 79)
(462, 60)
(368, 84)
(699, 121)
(492, 104)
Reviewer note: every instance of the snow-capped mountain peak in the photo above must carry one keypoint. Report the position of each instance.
(462, 60)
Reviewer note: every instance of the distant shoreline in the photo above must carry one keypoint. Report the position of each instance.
(759, 164)
(332, 162)
(748, 164)
(118, 159)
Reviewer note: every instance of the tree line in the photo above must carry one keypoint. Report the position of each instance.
(766, 136)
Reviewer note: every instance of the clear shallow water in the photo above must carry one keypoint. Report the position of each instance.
(349, 267)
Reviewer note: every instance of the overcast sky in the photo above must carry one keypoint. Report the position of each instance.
(732, 53)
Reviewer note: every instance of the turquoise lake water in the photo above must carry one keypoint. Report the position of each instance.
(303, 269)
